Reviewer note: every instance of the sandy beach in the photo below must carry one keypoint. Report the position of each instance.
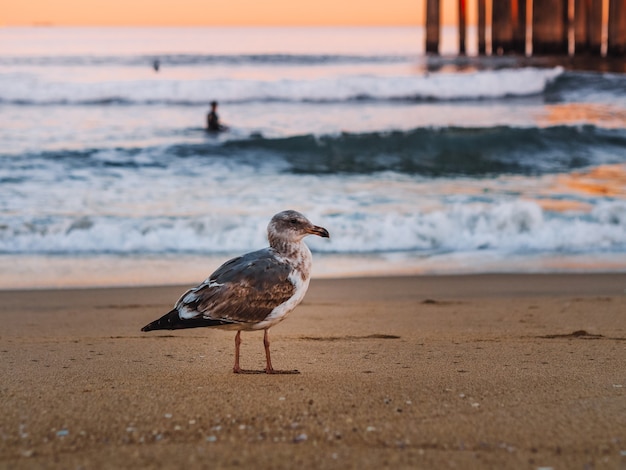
(489, 371)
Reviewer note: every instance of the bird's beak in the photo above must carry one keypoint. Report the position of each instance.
(319, 231)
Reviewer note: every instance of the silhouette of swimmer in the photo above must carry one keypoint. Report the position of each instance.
(213, 123)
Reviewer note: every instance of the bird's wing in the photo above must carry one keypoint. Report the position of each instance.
(243, 290)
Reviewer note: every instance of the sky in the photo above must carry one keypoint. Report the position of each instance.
(224, 13)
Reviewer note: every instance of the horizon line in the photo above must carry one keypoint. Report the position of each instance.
(46, 24)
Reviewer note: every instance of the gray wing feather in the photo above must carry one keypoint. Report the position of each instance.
(243, 290)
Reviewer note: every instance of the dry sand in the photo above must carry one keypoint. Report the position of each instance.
(495, 371)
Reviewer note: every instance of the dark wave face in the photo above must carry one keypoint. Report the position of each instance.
(445, 152)
(585, 86)
(475, 152)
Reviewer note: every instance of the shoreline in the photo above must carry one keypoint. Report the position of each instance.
(31, 272)
(468, 284)
(479, 371)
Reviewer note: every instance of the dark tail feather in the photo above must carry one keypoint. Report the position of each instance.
(172, 321)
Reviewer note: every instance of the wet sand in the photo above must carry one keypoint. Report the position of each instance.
(493, 371)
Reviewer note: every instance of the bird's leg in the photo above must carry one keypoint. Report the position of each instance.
(266, 342)
(237, 369)
(268, 368)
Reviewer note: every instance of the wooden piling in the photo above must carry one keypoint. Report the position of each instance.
(550, 21)
(482, 42)
(518, 10)
(509, 27)
(616, 44)
(501, 27)
(432, 26)
(587, 27)
(462, 25)
(550, 26)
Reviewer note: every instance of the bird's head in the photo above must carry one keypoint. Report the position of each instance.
(291, 227)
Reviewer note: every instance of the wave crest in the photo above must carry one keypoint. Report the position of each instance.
(487, 84)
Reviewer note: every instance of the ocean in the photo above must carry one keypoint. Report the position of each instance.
(414, 164)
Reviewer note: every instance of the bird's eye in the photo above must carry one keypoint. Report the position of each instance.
(293, 221)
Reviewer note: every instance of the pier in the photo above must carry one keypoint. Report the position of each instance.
(537, 27)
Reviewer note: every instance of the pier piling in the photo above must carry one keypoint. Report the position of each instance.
(482, 14)
(509, 27)
(550, 20)
(462, 25)
(616, 44)
(588, 27)
(551, 24)
(432, 26)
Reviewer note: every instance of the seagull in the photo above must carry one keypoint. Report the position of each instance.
(254, 291)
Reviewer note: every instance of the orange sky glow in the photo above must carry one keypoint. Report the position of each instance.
(213, 13)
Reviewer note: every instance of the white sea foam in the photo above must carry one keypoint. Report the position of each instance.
(439, 86)
(506, 227)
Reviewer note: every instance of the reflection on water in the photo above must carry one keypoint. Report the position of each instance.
(601, 115)
(603, 180)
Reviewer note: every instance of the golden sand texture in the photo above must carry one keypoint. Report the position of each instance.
(493, 371)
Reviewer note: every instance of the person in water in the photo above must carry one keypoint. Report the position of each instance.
(213, 123)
